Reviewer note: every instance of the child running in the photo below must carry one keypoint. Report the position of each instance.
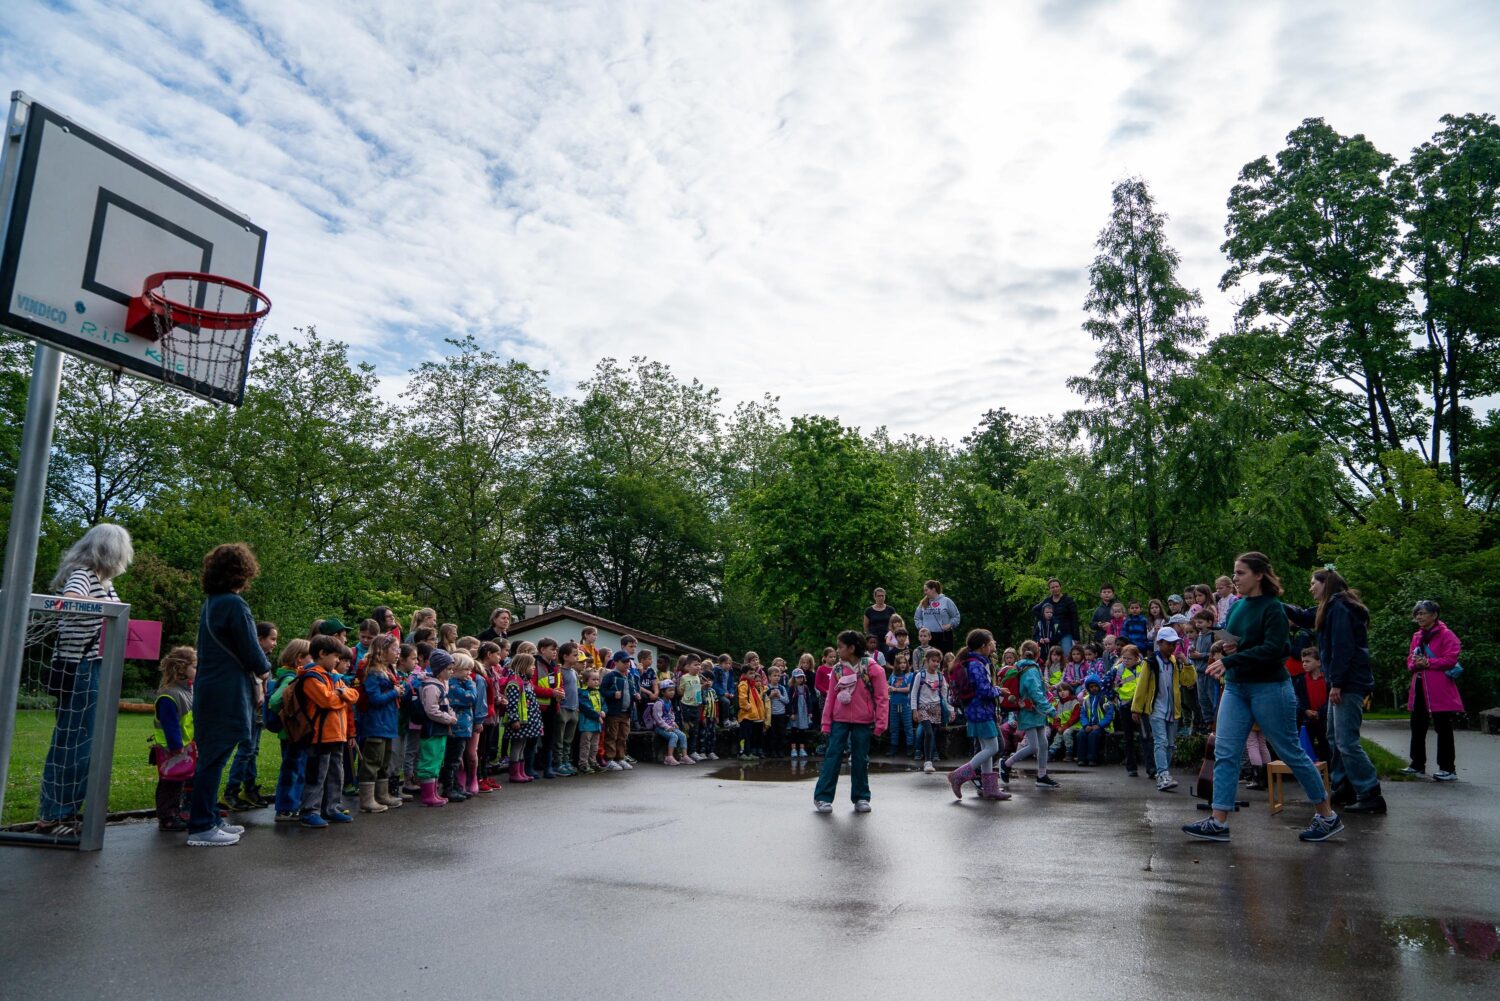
(1036, 709)
(979, 716)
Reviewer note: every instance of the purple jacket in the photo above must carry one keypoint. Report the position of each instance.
(1442, 653)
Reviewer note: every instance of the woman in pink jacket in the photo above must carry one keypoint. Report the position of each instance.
(1433, 663)
(855, 712)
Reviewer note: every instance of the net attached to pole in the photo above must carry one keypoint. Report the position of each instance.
(204, 325)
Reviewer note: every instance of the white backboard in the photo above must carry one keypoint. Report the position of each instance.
(85, 223)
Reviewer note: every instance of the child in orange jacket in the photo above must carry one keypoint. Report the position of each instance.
(328, 703)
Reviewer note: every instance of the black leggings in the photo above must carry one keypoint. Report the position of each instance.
(1442, 723)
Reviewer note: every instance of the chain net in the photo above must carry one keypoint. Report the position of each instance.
(198, 358)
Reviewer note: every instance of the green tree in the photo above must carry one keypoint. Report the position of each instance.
(1145, 326)
(1312, 244)
(1449, 193)
(465, 457)
(116, 444)
(819, 531)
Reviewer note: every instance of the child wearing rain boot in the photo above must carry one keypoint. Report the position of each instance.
(462, 697)
(437, 718)
(523, 719)
(377, 715)
(979, 717)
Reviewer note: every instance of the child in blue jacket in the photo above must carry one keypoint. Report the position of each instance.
(377, 716)
(1096, 711)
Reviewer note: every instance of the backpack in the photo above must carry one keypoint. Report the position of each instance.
(959, 682)
(1010, 691)
(300, 717)
(411, 698)
(270, 716)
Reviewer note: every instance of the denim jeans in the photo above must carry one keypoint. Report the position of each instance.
(289, 779)
(1163, 741)
(929, 733)
(1208, 698)
(900, 724)
(1349, 758)
(676, 740)
(242, 770)
(1273, 705)
(1067, 644)
(1091, 747)
(66, 771)
(855, 738)
(203, 804)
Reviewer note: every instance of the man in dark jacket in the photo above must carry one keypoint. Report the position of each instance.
(1064, 613)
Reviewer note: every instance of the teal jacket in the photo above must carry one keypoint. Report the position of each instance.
(1033, 689)
(1260, 624)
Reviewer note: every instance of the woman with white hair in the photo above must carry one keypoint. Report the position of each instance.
(86, 571)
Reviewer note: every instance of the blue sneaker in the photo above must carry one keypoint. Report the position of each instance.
(1207, 829)
(338, 815)
(314, 820)
(1322, 828)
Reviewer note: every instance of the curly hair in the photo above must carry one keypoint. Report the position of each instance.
(229, 567)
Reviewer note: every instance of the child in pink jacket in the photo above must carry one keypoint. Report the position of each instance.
(855, 712)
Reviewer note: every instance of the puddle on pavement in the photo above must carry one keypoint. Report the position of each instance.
(1445, 936)
(786, 771)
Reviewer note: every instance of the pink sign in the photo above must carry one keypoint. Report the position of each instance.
(143, 641)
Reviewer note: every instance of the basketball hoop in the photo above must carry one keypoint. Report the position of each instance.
(202, 324)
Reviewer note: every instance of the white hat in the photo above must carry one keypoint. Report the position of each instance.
(1167, 633)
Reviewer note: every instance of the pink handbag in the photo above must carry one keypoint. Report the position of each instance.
(177, 767)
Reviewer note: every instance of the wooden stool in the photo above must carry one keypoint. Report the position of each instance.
(1279, 769)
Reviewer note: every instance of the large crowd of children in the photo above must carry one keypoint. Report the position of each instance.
(430, 717)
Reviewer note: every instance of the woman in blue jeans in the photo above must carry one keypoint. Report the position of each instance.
(85, 573)
(1257, 689)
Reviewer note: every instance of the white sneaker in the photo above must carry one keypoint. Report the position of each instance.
(863, 806)
(928, 767)
(613, 766)
(1443, 776)
(1165, 781)
(234, 829)
(627, 766)
(712, 756)
(693, 759)
(822, 807)
(212, 838)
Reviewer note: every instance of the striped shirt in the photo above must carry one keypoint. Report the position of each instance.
(78, 635)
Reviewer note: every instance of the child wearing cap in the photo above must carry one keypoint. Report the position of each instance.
(438, 718)
(708, 723)
(1158, 698)
(801, 707)
(1065, 725)
(662, 721)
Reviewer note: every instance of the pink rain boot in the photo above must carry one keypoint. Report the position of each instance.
(958, 777)
(430, 795)
(989, 786)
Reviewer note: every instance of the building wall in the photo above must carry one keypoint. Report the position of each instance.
(569, 629)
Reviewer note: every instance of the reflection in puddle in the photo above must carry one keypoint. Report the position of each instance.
(1447, 937)
(796, 771)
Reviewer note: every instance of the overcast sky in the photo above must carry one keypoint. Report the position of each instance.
(881, 211)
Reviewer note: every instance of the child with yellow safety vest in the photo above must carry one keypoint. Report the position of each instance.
(590, 722)
(174, 732)
(1123, 682)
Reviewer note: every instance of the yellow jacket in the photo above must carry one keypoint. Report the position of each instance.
(1145, 689)
(753, 702)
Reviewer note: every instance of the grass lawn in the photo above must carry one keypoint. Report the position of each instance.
(133, 780)
(1387, 765)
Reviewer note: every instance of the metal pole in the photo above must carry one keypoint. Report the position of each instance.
(102, 753)
(25, 528)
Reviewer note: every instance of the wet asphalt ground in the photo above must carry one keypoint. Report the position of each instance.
(703, 882)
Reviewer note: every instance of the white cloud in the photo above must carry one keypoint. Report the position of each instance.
(881, 211)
